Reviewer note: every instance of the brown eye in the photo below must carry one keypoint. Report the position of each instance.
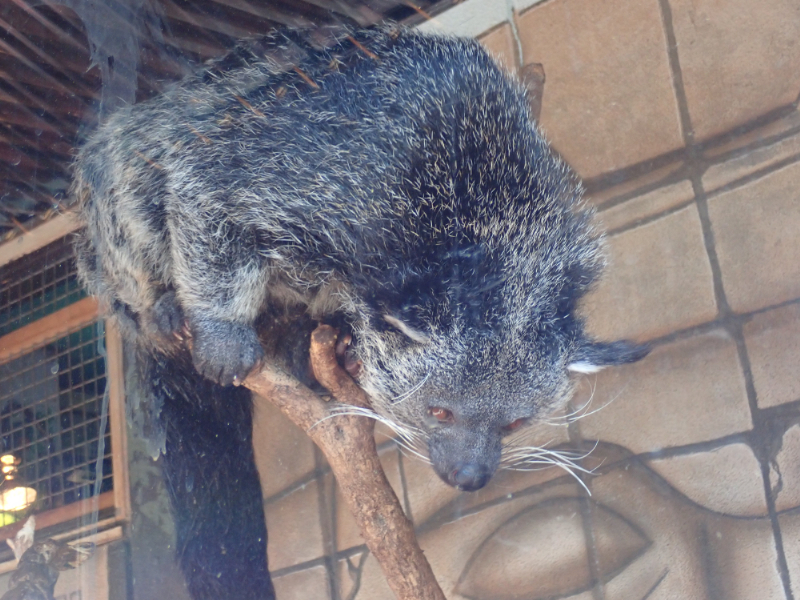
(515, 425)
(441, 414)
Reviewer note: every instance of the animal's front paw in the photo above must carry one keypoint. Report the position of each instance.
(166, 316)
(224, 352)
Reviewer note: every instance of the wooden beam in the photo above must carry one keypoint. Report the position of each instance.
(267, 13)
(48, 25)
(48, 328)
(202, 21)
(44, 234)
(115, 376)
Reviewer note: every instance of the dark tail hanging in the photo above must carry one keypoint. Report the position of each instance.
(210, 474)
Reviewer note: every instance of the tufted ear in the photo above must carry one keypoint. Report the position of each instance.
(594, 356)
(413, 334)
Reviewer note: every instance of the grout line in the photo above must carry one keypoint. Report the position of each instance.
(757, 144)
(309, 564)
(732, 325)
(404, 483)
(512, 23)
(755, 175)
(671, 180)
(761, 430)
(681, 171)
(611, 179)
(326, 502)
(592, 555)
(687, 131)
(708, 565)
(649, 219)
(649, 593)
(445, 517)
(711, 250)
(295, 485)
(721, 322)
(763, 120)
(677, 175)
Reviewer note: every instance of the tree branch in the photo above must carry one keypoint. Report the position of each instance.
(349, 445)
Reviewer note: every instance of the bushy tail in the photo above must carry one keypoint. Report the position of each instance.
(213, 484)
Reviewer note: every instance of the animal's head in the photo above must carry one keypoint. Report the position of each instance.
(461, 390)
(486, 342)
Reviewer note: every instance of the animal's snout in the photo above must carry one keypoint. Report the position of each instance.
(469, 476)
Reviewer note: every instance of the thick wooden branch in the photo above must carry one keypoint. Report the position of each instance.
(349, 445)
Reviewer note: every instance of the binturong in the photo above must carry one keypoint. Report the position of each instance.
(391, 183)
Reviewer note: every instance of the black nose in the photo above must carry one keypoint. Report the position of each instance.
(469, 477)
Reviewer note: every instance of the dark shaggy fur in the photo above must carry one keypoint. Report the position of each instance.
(396, 186)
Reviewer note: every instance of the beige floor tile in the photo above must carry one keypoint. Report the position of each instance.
(755, 228)
(617, 542)
(693, 553)
(630, 185)
(684, 392)
(303, 585)
(646, 205)
(726, 480)
(658, 280)
(516, 539)
(790, 530)
(349, 574)
(744, 560)
(739, 59)
(608, 100)
(538, 553)
(745, 164)
(785, 471)
(372, 583)
(294, 528)
(789, 122)
(500, 44)
(773, 345)
(283, 452)
(668, 566)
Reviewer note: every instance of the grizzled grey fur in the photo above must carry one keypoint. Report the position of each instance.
(398, 185)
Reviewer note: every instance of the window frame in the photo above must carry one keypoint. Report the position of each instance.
(51, 327)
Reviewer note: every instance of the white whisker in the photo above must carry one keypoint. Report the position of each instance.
(573, 415)
(348, 410)
(582, 412)
(567, 468)
(405, 395)
(408, 449)
(533, 458)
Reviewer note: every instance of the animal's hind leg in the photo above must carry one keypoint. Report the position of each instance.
(213, 484)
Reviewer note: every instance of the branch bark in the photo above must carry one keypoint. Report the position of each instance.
(349, 445)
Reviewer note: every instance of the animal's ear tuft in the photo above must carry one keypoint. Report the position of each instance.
(413, 334)
(594, 356)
